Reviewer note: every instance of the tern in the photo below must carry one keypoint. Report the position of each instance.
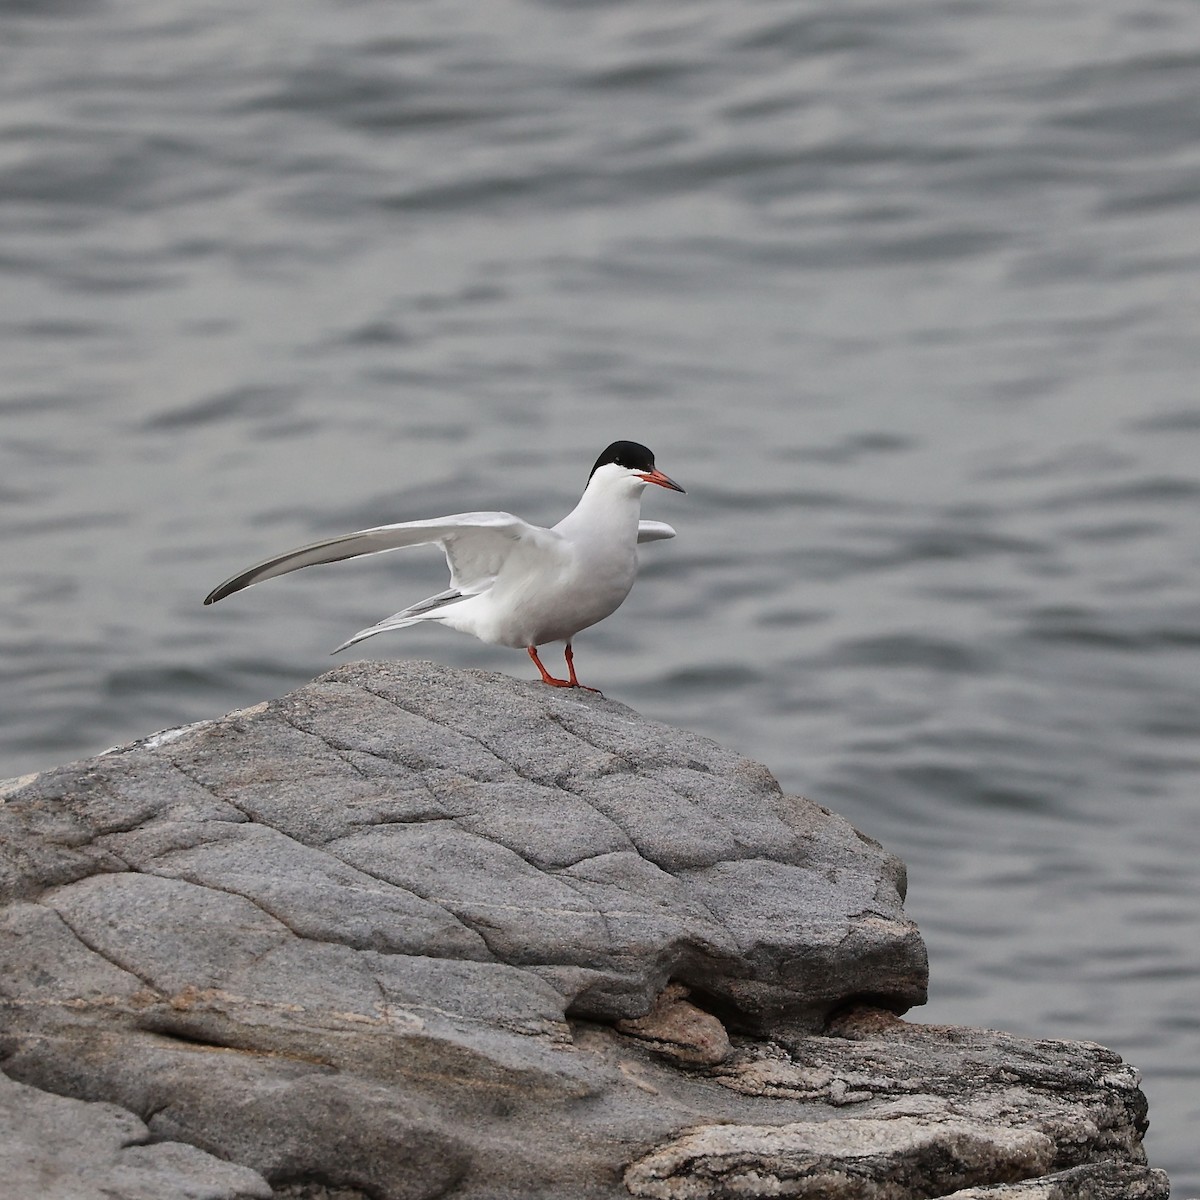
(512, 583)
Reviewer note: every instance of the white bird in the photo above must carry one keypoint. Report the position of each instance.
(512, 583)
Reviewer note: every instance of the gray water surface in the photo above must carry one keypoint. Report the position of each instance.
(905, 294)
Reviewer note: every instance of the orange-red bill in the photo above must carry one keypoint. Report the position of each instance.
(656, 476)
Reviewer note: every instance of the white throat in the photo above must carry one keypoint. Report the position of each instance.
(610, 505)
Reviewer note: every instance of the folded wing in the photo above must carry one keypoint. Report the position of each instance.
(476, 545)
(654, 531)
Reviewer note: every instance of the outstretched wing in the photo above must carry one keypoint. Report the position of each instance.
(654, 531)
(476, 545)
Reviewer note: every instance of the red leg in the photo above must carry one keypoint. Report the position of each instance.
(569, 654)
(546, 676)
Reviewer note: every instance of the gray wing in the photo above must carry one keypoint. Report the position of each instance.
(476, 545)
(654, 531)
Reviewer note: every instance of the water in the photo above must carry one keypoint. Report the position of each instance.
(904, 293)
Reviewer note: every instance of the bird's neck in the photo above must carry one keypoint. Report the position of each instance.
(604, 511)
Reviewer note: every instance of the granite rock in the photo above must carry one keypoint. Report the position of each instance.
(1105, 1180)
(925, 1111)
(102, 1150)
(411, 932)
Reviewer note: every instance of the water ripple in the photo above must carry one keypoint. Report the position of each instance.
(903, 294)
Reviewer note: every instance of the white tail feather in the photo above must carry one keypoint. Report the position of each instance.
(399, 621)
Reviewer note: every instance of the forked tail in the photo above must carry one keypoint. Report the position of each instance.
(424, 610)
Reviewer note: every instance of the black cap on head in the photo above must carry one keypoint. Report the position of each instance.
(633, 455)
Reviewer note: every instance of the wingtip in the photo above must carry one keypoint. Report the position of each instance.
(226, 589)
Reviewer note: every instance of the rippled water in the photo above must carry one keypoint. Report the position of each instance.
(904, 293)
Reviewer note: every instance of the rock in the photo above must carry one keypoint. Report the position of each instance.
(378, 937)
(926, 1111)
(54, 1148)
(858, 1159)
(680, 1030)
(1106, 1180)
